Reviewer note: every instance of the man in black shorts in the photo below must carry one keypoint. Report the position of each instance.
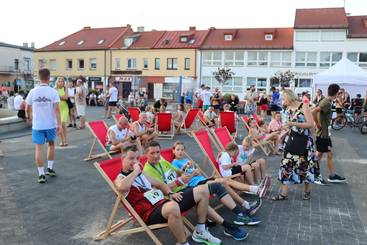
(155, 203)
(322, 115)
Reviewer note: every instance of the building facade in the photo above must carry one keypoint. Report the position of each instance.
(84, 53)
(16, 66)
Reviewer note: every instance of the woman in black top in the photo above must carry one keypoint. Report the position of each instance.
(233, 102)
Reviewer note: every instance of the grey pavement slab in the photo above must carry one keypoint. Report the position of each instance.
(74, 206)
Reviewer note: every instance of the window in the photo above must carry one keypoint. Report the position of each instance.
(131, 63)
(333, 35)
(41, 63)
(145, 63)
(268, 37)
(61, 43)
(257, 58)
(228, 58)
(53, 65)
(259, 83)
(328, 59)
(27, 64)
(157, 63)
(187, 63)
(303, 83)
(16, 64)
(306, 59)
(80, 64)
(307, 36)
(233, 85)
(117, 64)
(228, 37)
(171, 63)
(359, 58)
(234, 58)
(184, 39)
(69, 64)
(80, 42)
(93, 63)
(212, 58)
(280, 59)
(100, 41)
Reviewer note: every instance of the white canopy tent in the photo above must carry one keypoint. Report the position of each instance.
(344, 73)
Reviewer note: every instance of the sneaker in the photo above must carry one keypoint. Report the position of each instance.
(74, 125)
(41, 179)
(209, 223)
(254, 206)
(237, 233)
(205, 237)
(264, 186)
(246, 220)
(70, 125)
(336, 179)
(320, 181)
(50, 172)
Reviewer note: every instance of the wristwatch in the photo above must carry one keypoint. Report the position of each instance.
(170, 193)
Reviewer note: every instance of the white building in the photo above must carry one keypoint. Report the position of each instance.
(319, 39)
(16, 66)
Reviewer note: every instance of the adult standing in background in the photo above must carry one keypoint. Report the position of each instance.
(206, 96)
(42, 106)
(112, 99)
(19, 104)
(11, 101)
(80, 101)
(64, 109)
(319, 96)
(275, 104)
(71, 94)
(198, 92)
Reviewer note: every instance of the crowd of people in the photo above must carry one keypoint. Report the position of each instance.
(160, 191)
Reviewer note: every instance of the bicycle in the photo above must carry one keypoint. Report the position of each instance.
(349, 118)
(363, 128)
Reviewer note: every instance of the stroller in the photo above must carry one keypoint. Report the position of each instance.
(123, 110)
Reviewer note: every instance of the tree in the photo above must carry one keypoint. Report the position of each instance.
(283, 78)
(223, 75)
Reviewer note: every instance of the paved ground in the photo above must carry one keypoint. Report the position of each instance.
(73, 207)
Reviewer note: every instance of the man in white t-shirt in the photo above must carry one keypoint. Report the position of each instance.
(206, 97)
(112, 99)
(19, 104)
(42, 107)
(80, 101)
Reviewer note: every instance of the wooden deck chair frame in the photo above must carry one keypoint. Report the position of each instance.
(262, 146)
(92, 156)
(113, 229)
(216, 139)
(201, 120)
(171, 132)
(213, 164)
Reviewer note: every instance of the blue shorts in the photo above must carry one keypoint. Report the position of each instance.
(39, 137)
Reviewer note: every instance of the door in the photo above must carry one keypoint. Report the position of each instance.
(150, 91)
(126, 88)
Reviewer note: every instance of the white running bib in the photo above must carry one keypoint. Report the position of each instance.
(170, 176)
(154, 196)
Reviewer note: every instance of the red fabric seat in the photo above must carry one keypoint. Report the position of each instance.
(134, 113)
(228, 119)
(223, 136)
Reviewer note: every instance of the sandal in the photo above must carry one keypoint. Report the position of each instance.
(307, 195)
(279, 197)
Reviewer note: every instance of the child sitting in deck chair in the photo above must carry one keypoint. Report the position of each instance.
(260, 135)
(210, 117)
(179, 118)
(246, 158)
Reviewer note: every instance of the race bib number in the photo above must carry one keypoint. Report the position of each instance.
(170, 176)
(154, 196)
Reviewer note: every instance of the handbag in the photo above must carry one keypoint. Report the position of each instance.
(296, 144)
(70, 104)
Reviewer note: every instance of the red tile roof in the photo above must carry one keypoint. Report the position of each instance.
(320, 18)
(251, 38)
(357, 26)
(91, 36)
(171, 39)
(146, 40)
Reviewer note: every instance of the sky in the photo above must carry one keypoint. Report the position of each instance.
(44, 22)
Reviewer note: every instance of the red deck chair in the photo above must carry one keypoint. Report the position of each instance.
(189, 120)
(99, 131)
(134, 113)
(202, 138)
(257, 119)
(109, 169)
(221, 137)
(164, 126)
(257, 144)
(202, 120)
(228, 119)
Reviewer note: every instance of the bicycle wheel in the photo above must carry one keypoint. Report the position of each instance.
(361, 120)
(363, 128)
(338, 122)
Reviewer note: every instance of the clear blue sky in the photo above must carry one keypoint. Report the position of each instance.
(43, 22)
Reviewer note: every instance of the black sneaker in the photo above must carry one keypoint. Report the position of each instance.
(254, 206)
(74, 125)
(336, 179)
(320, 180)
(50, 172)
(209, 223)
(70, 125)
(41, 179)
(237, 233)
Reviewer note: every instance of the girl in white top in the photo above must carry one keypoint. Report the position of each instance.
(179, 118)
(149, 110)
(246, 157)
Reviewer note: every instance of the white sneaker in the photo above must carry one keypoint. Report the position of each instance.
(205, 237)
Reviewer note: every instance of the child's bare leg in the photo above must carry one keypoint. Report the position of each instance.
(248, 174)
